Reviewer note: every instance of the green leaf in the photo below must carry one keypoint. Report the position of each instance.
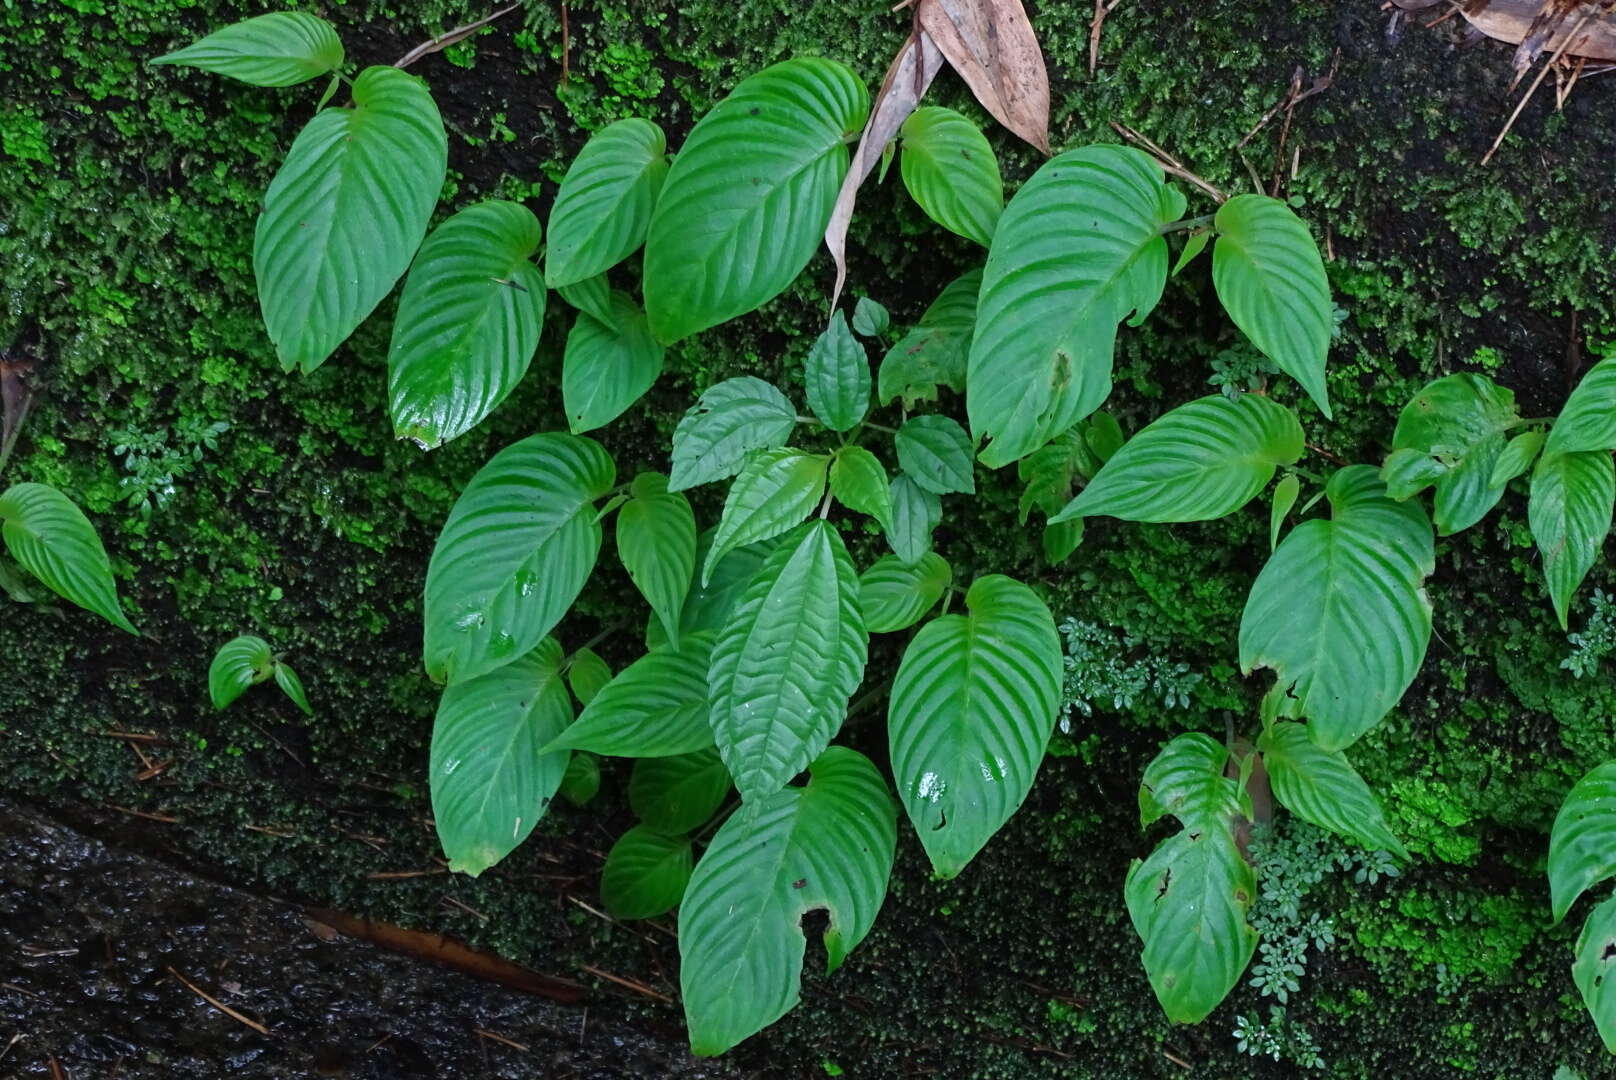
(677, 794)
(1569, 511)
(655, 707)
(292, 687)
(1186, 779)
(870, 318)
(1270, 278)
(1321, 786)
(518, 546)
(1518, 455)
(281, 49)
(726, 424)
(1588, 420)
(828, 845)
(52, 539)
(787, 661)
(950, 170)
(895, 597)
(240, 663)
(707, 607)
(837, 376)
(587, 674)
(645, 874)
(1340, 612)
(603, 207)
(581, 782)
(592, 296)
(859, 482)
(775, 491)
(1198, 462)
(935, 352)
(1582, 845)
(467, 324)
(1192, 250)
(1595, 967)
(656, 539)
(972, 708)
(1103, 435)
(1285, 495)
(936, 452)
(491, 778)
(1455, 428)
(1078, 249)
(608, 366)
(345, 213)
(1188, 901)
(750, 194)
(1061, 538)
(1050, 471)
(915, 513)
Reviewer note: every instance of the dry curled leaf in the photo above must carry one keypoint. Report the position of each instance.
(912, 71)
(992, 45)
(1539, 26)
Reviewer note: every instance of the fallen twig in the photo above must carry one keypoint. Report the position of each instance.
(217, 1004)
(164, 818)
(480, 1033)
(1102, 8)
(452, 37)
(630, 984)
(1168, 163)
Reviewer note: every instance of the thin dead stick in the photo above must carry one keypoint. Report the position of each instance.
(401, 875)
(1537, 82)
(630, 984)
(1167, 162)
(566, 43)
(453, 37)
(132, 736)
(512, 1043)
(1102, 8)
(164, 818)
(217, 1004)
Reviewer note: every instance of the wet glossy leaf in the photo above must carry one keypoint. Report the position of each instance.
(1186, 779)
(240, 663)
(837, 376)
(829, 845)
(655, 707)
(1518, 455)
(1340, 611)
(972, 708)
(1452, 434)
(895, 597)
(656, 540)
(645, 874)
(949, 168)
(1322, 787)
(1570, 513)
(515, 552)
(749, 195)
(787, 661)
(1285, 495)
(1582, 845)
(1200, 461)
(345, 213)
(935, 352)
(281, 49)
(292, 687)
(587, 674)
(50, 537)
(775, 491)
(1270, 278)
(468, 322)
(859, 482)
(607, 366)
(677, 794)
(603, 207)
(936, 452)
(1588, 420)
(915, 513)
(491, 778)
(1595, 969)
(870, 318)
(1078, 250)
(728, 422)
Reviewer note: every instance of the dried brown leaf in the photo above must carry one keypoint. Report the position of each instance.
(992, 45)
(1538, 27)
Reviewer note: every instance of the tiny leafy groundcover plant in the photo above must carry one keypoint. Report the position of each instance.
(759, 623)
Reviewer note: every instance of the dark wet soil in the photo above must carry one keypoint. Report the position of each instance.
(95, 943)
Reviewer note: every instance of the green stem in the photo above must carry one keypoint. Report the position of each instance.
(592, 642)
(1187, 224)
(873, 426)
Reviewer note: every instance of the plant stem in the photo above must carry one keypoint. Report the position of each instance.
(1187, 224)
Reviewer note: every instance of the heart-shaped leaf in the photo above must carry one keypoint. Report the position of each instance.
(280, 49)
(468, 322)
(775, 491)
(1340, 612)
(52, 539)
(829, 845)
(1270, 278)
(518, 546)
(1078, 249)
(1186, 779)
(727, 423)
(608, 366)
(1582, 845)
(1200, 461)
(1588, 420)
(677, 794)
(971, 712)
(1322, 787)
(1594, 971)
(915, 513)
(345, 213)
(870, 318)
(656, 539)
(895, 596)
(1452, 433)
(859, 482)
(787, 661)
(646, 873)
(1570, 514)
(749, 195)
(603, 207)
(492, 779)
(950, 170)
(588, 675)
(655, 707)
(936, 452)
(837, 376)
(240, 663)
(592, 295)
(935, 352)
